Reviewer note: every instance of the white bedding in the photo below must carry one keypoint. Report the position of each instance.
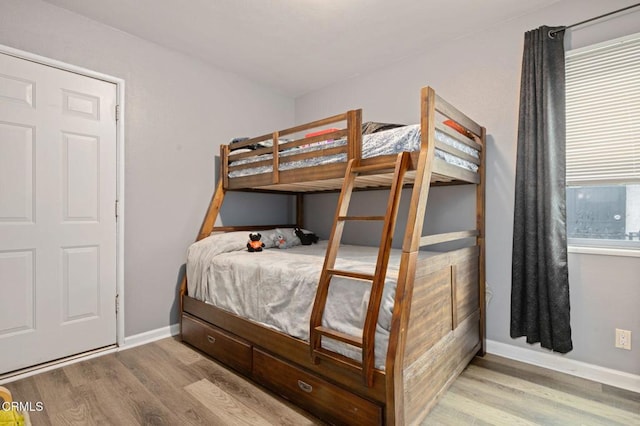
(277, 287)
(392, 141)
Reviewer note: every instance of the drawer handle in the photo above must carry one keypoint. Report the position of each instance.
(211, 339)
(306, 387)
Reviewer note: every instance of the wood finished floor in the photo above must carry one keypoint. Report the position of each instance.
(168, 383)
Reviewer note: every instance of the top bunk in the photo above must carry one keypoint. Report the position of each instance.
(313, 157)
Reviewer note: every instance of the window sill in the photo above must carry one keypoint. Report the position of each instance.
(604, 251)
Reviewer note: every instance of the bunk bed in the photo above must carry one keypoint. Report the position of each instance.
(434, 321)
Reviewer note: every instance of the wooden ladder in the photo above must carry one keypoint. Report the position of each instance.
(366, 342)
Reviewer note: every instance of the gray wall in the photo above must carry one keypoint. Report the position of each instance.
(178, 111)
(480, 75)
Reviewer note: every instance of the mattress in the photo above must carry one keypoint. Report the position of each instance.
(393, 141)
(276, 288)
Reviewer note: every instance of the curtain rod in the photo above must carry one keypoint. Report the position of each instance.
(553, 32)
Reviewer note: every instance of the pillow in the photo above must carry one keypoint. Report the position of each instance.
(373, 127)
(236, 141)
(268, 238)
(240, 238)
(239, 151)
(228, 241)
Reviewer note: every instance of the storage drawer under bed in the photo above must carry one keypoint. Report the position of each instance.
(309, 391)
(226, 348)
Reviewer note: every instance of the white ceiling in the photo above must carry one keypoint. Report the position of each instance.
(297, 46)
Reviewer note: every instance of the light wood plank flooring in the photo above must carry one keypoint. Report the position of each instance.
(168, 383)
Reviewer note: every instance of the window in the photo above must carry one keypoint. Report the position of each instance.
(603, 144)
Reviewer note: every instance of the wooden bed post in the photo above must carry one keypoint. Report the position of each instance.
(480, 225)
(276, 159)
(300, 210)
(354, 137)
(205, 229)
(224, 165)
(212, 212)
(420, 192)
(410, 248)
(218, 196)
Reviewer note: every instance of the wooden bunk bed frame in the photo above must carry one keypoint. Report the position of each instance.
(438, 322)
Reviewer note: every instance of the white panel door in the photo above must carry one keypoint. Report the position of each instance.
(57, 217)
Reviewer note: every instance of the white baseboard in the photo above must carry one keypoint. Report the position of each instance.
(43, 368)
(129, 342)
(150, 336)
(608, 376)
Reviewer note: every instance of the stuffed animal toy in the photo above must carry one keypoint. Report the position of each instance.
(281, 242)
(254, 243)
(306, 238)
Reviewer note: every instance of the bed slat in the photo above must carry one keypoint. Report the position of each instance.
(319, 153)
(455, 151)
(338, 134)
(253, 153)
(336, 357)
(444, 238)
(445, 108)
(441, 167)
(361, 218)
(375, 167)
(459, 136)
(251, 165)
(351, 274)
(342, 337)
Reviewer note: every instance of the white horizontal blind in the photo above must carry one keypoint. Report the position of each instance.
(603, 113)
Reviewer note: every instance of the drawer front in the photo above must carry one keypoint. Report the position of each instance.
(309, 391)
(225, 347)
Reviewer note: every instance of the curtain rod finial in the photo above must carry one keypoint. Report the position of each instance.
(552, 33)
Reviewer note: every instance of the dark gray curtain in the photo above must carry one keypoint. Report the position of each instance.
(540, 278)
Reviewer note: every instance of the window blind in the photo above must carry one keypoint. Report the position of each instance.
(603, 113)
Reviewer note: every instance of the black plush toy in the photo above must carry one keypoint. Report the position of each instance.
(254, 243)
(306, 238)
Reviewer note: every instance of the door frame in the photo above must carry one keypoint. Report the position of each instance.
(120, 101)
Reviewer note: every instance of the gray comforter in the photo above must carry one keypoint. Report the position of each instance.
(276, 287)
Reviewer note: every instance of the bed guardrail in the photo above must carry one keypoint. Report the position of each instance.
(351, 131)
(430, 240)
(270, 167)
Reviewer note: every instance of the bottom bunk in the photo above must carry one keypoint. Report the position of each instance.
(434, 330)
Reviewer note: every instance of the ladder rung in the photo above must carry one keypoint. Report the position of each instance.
(350, 274)
(361, 217)
(343, 337)
(374, 167)
(334, 356)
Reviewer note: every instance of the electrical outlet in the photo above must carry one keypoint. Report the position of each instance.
(623, 339)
